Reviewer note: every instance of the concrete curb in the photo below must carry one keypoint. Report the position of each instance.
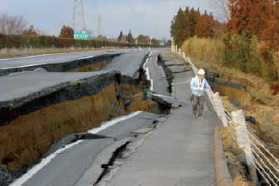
(222, 174)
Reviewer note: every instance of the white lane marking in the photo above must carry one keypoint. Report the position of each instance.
(113, 122)
(147, 72)
(86, 57)
(151, 85)
(48, 159)
(27, 57)
(6, 68)
(43, 163)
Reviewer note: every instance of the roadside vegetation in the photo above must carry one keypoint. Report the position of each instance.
(243, 50)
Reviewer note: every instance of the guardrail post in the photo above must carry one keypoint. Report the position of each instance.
(210, 93)
(184, 55)
(179, 51)
(220, 109)
(243, 141)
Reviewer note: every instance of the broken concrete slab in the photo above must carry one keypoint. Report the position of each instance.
(67, 167)
(167, 100)
(129, 63)
(177, 69)
(124, 128)
(55, 62)
(35, 90)
(178, 153)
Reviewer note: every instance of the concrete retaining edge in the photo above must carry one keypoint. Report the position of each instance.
(222, 174)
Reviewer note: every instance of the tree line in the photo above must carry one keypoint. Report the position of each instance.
(190, 22)
(250, 36)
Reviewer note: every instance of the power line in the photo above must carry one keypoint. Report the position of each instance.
(99, 24)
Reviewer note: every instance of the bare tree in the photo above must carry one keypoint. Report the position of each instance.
(222, 9)
(12, 24)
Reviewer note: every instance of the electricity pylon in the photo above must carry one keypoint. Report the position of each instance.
(78, 15)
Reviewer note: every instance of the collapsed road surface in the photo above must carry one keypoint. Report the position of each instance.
(140, 148)
(39, 107)
(68, 165)
(51, 58)
(62, 62)
(21, 88)
(179, 152)
(128, 63)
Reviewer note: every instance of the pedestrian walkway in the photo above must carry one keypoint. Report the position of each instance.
(180, 151)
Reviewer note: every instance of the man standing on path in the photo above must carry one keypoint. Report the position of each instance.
(198, 86)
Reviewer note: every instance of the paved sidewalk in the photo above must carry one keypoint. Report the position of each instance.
(180, 151)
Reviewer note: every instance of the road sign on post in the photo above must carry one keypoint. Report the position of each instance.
(81, 35)
(161, 44)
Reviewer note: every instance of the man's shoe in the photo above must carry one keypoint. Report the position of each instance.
(201, 117)
(194, 116)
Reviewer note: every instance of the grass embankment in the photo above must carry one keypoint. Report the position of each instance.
(236, 159)
(259, 100)
(25, 139)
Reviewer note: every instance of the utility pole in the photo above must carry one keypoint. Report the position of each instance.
(78, 15)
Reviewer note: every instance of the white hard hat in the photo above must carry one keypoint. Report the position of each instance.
(201, 71)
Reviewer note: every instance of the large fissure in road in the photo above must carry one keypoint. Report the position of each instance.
(31, 124)
(93, 63)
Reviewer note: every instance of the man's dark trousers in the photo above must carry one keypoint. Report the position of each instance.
(197, 101)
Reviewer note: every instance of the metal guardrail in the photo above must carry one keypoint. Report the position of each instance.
(258, 157)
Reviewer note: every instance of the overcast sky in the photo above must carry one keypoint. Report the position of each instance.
(150, 17)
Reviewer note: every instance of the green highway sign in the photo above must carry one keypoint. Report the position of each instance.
(161, 44)
(81, 35)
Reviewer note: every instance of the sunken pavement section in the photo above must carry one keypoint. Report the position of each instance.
(28, 126)
(159, 145)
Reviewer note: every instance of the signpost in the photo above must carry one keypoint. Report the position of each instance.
(81, 35)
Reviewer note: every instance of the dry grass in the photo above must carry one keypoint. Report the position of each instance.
(201, 49)
(235, 157)
(227, 104)
(25, 139)
(258, 101)
(206, 54)
(93, 67)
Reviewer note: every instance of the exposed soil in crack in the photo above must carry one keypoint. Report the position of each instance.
(106, 167)
(52, 121)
